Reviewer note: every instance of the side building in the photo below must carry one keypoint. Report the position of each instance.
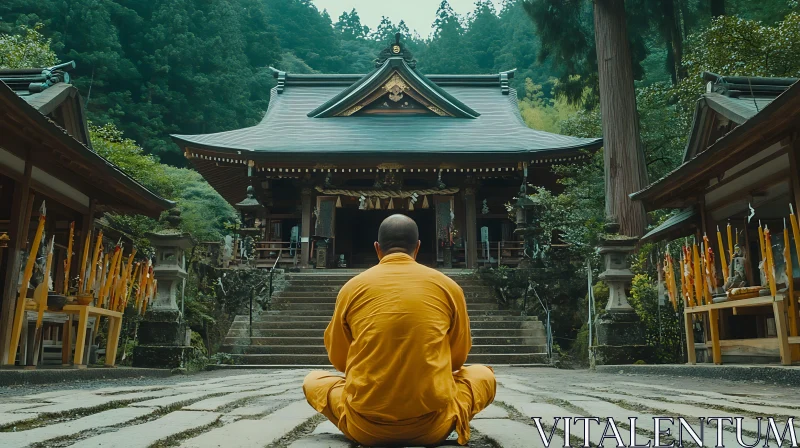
(740, 169)
(46, 155)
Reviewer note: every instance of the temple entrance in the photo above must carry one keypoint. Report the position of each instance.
(357, 230)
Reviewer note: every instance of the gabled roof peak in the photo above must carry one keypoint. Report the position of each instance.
(396, 80)
(396, 50)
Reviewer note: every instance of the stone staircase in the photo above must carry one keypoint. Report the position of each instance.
(292, 334)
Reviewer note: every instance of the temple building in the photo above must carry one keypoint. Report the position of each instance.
(337, 153)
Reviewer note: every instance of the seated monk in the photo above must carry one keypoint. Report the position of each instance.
(400, 333)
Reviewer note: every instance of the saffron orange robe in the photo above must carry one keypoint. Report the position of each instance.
(400, 333)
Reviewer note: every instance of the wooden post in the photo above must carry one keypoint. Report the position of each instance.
(794, 173)
(713, 323)
(779, 309)
(794, 177)
(19, 221)
(80, 339)
(66, 341)
(305, 227)
(114, 328)
(471, 241)
(691, 357)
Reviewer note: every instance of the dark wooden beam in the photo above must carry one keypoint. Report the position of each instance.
(305, 227)
(748, 169)
(794, 171)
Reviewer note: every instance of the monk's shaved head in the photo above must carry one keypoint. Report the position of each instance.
(398, 233)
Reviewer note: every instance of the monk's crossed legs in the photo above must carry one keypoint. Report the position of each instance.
(475, 390)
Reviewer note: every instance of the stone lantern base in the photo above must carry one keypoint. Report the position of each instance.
(163, 341)
(621, 339)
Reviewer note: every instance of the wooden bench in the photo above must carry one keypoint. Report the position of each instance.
(85, 315)
(778, 305)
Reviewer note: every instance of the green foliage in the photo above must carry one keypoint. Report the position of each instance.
(663, 328)
(542, 113)
(729, 46)
(109, 142)
(350, 27)
(26, 48)
(735, 46)
(155, 68)
(205, 214)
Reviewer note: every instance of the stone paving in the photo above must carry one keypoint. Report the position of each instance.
(266, 409)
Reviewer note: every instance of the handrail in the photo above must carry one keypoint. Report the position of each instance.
(269, 297)
(271, 274)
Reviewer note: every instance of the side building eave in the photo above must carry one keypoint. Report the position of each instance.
(775, 122)
(119, 192)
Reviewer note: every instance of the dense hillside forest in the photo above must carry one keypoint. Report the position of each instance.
(195, 66)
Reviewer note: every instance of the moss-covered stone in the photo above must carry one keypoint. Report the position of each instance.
(161, 333)
(606, 355)
(163, 357)
(621, 339)
(620, 329)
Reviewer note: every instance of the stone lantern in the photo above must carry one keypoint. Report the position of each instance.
(252, 214)
(523, 208)
(164, 339)
(169, 265)
(620, 333)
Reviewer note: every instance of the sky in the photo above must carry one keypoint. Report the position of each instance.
(418, 14)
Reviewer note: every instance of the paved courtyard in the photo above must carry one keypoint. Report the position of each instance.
(266, 409)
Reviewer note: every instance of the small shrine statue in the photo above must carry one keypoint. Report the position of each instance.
(227, 249)
(737, 277)
(341, 263)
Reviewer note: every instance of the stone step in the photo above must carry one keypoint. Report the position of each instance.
(290, 314)
(319, 332)
(281, 299)
(342, 279)
(322, 306)
(310, 340)
(320, 349)
(506, 316)
(327, 286)
(323, 323)
(296, 315)
(489, 359)
(288, 294)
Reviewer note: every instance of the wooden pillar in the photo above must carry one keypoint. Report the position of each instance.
(794, 171)
(471, 240)
(305, 227)
(19, 222)
(794, 178)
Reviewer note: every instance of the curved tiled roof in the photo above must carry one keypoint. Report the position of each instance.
(287, 129)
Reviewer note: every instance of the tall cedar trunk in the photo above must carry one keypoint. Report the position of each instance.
(672, 35)
(625, 170)
(717, 8)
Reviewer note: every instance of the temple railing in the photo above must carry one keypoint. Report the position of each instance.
(270, 254)
(492, 253)
(500, 253)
